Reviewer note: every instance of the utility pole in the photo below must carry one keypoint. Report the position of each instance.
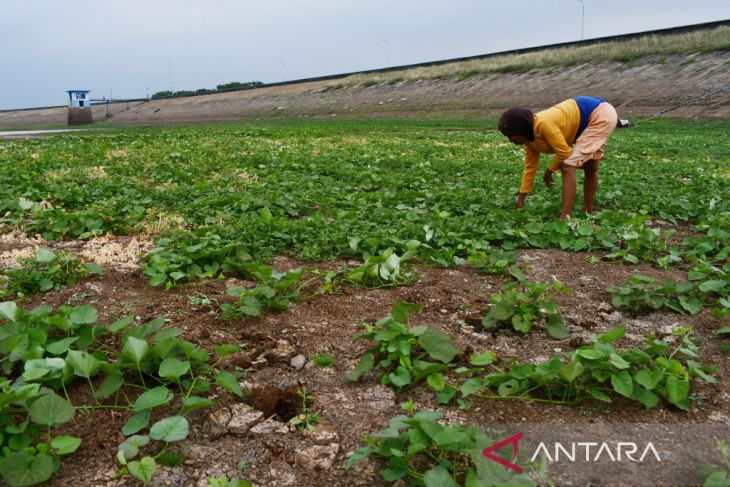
(387, 52)
(169, 66)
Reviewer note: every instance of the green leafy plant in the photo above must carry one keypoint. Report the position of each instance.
(275, 290)
(45, 271)
(425, 451)
(223, 481)
(715, 476)
(724, 332)
(307, 419)
(382, 270)
(639, 292)
(324, 360)
(42, 352)
(599, 370)
(175, 260)
(494, 262)
(406, 355)
(523, 305)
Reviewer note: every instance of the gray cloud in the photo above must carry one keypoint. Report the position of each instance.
(127, 47)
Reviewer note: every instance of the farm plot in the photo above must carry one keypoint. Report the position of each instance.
(350, 303)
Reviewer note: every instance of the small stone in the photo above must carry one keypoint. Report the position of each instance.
(199, 454)
(443, 311)
(322, 436)
(614, 317)
(281, 474)
(283, 351)
(379, 398)
(243, 418)
(269, 426)
(218, 421)
(318, 457)
(298, 362)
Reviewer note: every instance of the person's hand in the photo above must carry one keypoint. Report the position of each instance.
(548, 178)
(521, 200)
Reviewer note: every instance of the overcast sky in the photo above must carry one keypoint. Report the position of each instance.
(132, 48)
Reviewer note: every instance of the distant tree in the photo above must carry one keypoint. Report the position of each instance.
(162, 94)
(238, 84)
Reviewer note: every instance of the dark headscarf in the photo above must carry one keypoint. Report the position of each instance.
(517, 121)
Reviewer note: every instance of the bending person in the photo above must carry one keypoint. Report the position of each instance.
(576, 131)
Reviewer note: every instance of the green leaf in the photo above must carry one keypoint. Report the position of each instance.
(600, 395)
(229, 382)
(111, 384)
(193, 403)
(20, 469)
(51, 409)
(571, 371)
(357, 456)
(135, 349)
(677, 389)
(224, 350)
(649, 380)
(366, 363)
(646, 397)
(143, 470)
(695, 369)
(438, 345)
(401, 311)
(172, 368)
(59, 347)
(173, 428)
(121, 324)
(724, 331)
(84, 315)
(65, 444)
(712, 286)
(484, 358)
(436, 382)
(618, 362)
(45, 256)
(438, 477)
(94, 268)
(401, 377)
(153, 398)
(8, 310)
(691, 304)
(508, 388)
(556, 327)
(129, 448)
(471, 386)
(136, 423)
(611, 335)
(84, 364)
(622, 383)
(590, 354)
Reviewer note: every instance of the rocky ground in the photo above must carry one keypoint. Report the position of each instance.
(252, 439)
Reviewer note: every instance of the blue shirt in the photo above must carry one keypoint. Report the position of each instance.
(586, 105)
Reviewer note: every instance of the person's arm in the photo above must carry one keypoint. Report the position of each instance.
(562, 150)
(532, 160)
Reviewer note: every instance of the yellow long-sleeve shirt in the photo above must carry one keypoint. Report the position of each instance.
(555, 130)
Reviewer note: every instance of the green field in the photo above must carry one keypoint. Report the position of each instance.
(357, 206)
(310, 190)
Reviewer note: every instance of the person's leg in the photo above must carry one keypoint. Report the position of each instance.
(568, 173)
(590, 184)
